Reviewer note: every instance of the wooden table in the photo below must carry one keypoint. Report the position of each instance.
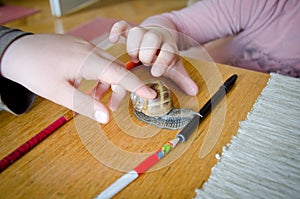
(83, 157)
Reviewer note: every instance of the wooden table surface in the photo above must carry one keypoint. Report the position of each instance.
(83, 157)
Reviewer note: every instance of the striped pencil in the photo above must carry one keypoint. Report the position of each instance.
(38, 138)
(129, 177)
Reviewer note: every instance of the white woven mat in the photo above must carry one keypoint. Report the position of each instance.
(263, 159)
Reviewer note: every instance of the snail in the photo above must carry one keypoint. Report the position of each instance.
(160, 111)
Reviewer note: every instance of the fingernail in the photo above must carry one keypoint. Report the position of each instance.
(112, 37)
(150, 94)
(135, 60)
(101, 117)
(157, 71)
(153, 93)
(193, 88)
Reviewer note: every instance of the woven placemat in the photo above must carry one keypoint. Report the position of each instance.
(263, 159)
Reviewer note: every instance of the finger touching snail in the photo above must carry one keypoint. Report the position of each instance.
(160, 111)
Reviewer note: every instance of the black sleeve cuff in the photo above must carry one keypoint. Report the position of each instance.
(14, 96)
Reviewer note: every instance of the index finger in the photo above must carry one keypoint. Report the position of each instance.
(100, 65)
(118, 29)
(116, 74)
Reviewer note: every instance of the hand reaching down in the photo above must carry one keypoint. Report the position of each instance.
(156, 47)
(53, 66)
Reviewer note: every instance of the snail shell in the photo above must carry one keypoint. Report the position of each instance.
(160, 111)
(157, 107)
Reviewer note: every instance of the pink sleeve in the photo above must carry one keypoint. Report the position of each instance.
(208, 20)
(265, 32)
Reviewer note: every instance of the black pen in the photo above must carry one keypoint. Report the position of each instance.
(210, 104)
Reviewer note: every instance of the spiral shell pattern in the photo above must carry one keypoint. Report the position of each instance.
(160, 111)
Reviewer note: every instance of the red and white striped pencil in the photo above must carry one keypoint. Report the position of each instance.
(129, 177)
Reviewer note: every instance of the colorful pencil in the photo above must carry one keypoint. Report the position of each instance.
(129, 177)
(34, 141)
(130, 65)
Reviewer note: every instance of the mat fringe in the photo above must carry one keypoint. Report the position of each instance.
(263, 159)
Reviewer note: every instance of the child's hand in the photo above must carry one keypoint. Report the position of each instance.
(53, 66)
(157, 47)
